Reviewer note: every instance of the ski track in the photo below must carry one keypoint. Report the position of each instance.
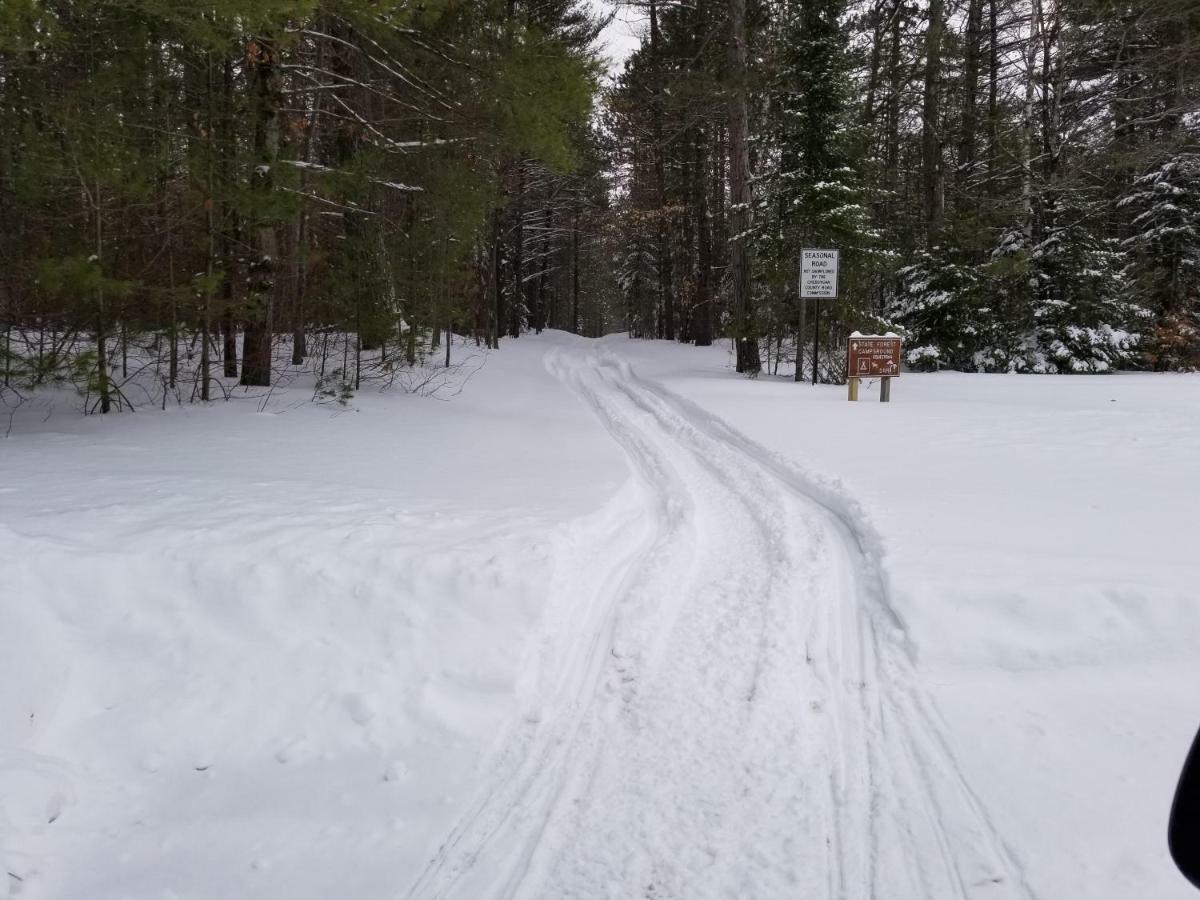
(724, 703)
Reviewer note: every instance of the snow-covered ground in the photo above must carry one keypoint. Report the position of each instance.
(613, 622)
(1040, 535)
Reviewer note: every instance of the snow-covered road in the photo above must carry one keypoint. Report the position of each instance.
(725, 704)
(615, 622)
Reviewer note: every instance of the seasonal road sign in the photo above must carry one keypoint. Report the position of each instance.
(818, 274)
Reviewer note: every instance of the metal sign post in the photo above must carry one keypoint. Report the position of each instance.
(818, 281)
(816, 339)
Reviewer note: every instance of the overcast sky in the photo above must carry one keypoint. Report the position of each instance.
(621, 37)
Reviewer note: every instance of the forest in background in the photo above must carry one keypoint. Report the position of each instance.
(194, 196)
(200, 196)
(1014, 184)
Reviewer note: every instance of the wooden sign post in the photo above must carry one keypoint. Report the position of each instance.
(873, 356)
(818, 281)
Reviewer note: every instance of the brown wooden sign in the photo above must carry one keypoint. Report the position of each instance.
(874, 357)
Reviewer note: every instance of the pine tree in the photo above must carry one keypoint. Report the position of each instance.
(1164, 252)
(809, 194)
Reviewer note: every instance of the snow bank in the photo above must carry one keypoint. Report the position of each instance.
(254, 655)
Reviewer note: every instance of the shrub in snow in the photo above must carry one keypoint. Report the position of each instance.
(1054, 306)
(938, 305)
(336, 387)
(1081, 321)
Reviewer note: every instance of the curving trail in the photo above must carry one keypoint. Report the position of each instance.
(724, 703)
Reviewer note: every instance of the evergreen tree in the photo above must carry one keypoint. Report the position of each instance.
(272, 170)
(809, 194)
(1164, 251)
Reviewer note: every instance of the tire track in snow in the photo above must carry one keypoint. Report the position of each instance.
(922, 734)
(734, 712)
(487, 853)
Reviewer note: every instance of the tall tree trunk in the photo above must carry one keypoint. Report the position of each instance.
(575, 274)
(311, 136)
(666, 287)
(745, 333)
(993, 127)
(931, 138)
(229, 334)
(891, 142)
(703, 315)
(211, 235)
(544, 272)
(173, 328)
(1028, 129)
(867, 115)
(299, 339)
(1051, 94)
(103, 384)
(497, 279)
(230, 225)
(518, 297)
(256, 340)
(968, 138)
(720, 172)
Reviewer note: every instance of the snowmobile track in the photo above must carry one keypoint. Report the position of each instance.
(724, 703)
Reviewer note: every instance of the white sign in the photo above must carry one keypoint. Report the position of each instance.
(818, 274)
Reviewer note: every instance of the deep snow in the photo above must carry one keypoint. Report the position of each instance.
(259, 655)
(498, 645)
(1040, 536)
